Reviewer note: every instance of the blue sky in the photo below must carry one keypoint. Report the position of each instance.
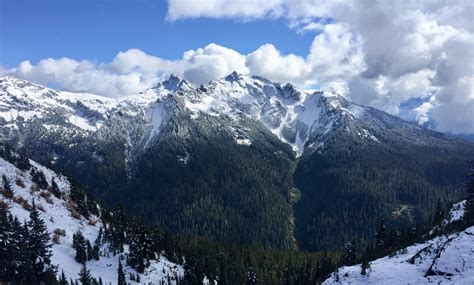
(97, 30)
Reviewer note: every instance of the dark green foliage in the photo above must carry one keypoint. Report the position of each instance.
(39, 247)
(17, 159)
(62, 279)
(121, 275)
(365, 265)
(380, 234)
(79, 243)
(85, 276)
(206, 184)
(469, 208)
(25, 250)
(140, 245)
(350, 257)
(7, 188)
(439, 214)
(348, 186)
(55, 189)
(37, 176)
(6, 249)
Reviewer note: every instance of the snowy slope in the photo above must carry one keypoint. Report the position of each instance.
(450, 258)
(56, 214)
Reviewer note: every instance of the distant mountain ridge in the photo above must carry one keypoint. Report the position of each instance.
(242, 158)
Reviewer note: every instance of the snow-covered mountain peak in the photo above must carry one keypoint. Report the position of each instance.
(234, 76)
(175, 83)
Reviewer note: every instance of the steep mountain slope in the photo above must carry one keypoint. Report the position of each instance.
(445, 259)
(59, 214)
(223, 160)
(400, 176)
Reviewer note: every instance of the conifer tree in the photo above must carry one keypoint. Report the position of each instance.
(140, 245)
(62, 279)
(121, 274)
(55, 189)
(89, 250)
(469, 208)
(350, 257)
(85, 275)
(364, 266)
(6, 247)
(380, 234)
(7, 188)
(37, 176)
(439, 213)
(80, 245)
(39, 247)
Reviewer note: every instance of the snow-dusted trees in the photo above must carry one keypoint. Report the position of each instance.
(37, 176)
(380, 234)
(25, 250)
(7, 189)
(350, 256)
(469, 209)
(85, 275)
(39, 247)
(140, 245)
(80, 245)
(121, 274)
(55, 189)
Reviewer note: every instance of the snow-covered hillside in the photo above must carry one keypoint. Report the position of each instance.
(59, 215)
(445, 259)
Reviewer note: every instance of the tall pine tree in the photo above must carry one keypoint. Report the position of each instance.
(121, 274)
(85, 275)
(469, 208)
(40, 247)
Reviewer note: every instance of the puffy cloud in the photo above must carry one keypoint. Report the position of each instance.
(82, 76)
(384, 54)
(132, 71)
(269, 62)
(210, 63)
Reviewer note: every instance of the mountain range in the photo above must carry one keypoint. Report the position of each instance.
(240, 159)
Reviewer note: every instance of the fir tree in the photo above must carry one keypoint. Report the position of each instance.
(37, 176)
(6, 247)
(80, 245)
(89, 250)
(439, 213)
(469, 208)
(252, 277)
(7, 188)
(39, 247)
(62, 279)
(121, 275)
(350, 257)
(380, 234)
(140, 246)
(55, 189)
(364, 266)
(85, 275)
